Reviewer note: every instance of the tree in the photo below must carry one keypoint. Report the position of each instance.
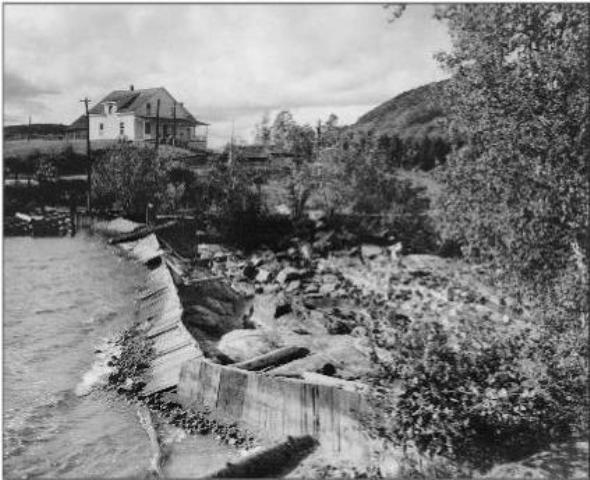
(263, 131)
(517, 192)
(281, 131)
(130, 177)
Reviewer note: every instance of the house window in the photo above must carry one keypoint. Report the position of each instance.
(148, 111)
(122, 128)
(110, 109)
(101, 128)
(148, 128)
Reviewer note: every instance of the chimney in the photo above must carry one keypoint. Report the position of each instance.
(131, 88)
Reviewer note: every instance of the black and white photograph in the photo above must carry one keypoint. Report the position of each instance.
(295, 240)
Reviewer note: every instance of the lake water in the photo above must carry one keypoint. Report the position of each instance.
(62, 298)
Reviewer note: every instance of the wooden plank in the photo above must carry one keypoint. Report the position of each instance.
(144, 232)
(165, 370)
(170, 340)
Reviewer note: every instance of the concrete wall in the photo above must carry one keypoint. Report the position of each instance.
(276, 407)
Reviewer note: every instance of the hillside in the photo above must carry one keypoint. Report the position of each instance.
(36, 130)
(417, 113)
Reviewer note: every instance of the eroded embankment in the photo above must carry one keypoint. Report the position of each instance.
(325, 412)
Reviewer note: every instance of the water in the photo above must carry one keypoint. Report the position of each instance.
(62, 298)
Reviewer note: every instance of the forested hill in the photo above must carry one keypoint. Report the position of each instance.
(410, 127)
(416, 113)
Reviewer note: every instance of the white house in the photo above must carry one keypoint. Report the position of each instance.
(131, 115)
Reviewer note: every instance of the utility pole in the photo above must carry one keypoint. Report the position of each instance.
(157, 123)
(174, 124)
(86, 100)
(231, 144)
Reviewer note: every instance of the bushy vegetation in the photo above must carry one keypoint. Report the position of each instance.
(477, 393)
(515, 196)
(129, 178)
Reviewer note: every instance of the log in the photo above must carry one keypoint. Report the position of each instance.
(272, 462)
(319, 379)
(24, 217)
(273, 359)
(138, 234)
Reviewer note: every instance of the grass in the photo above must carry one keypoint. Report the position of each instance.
(24, 148)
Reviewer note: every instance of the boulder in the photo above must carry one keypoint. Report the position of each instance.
(371, 251)
(328, 288)
(220, 257)
(213, 306)
(249, 271)
(288, 274)
(283, 306)
(293, 286)
(306, 252)
(263, 276)
(241, 345)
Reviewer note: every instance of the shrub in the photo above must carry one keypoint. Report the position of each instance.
(131, 177)
(474, 393)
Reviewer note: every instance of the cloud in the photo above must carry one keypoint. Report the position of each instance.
(225, 62)
(17, 88)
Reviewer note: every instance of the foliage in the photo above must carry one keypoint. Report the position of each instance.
(231, 195)
(474, 392)
(131, 177)
(517, 193)
(300, 142)
(516, 196)
(65, 162)
(356, 177)
(263, 131)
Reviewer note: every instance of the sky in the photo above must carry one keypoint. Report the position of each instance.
(228, 64)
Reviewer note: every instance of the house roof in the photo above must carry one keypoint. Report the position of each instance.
(131, 101)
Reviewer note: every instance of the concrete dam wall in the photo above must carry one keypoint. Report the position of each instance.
(276, 407)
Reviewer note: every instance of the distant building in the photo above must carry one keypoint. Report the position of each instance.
(131, 115)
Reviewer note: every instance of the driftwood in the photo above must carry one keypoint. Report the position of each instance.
(145, 418)
(140, 233)
(319, 379)
(273, 462)
(273, 359)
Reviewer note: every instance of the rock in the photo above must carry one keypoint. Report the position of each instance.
(325, 241)
(256, 261)
(292, 252)
(395, 251)
(288, 274)
(293, 286)
(263, 276)
(316, 215)
(327, 288)
(250, 271)
(312, 288)
(306, 252)
(241, 344)
(271, 288)
(283, 209)
(212, 306)
(371, 251)
(338, 327)
(220, 257)
(283, 306)
(330, 278)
